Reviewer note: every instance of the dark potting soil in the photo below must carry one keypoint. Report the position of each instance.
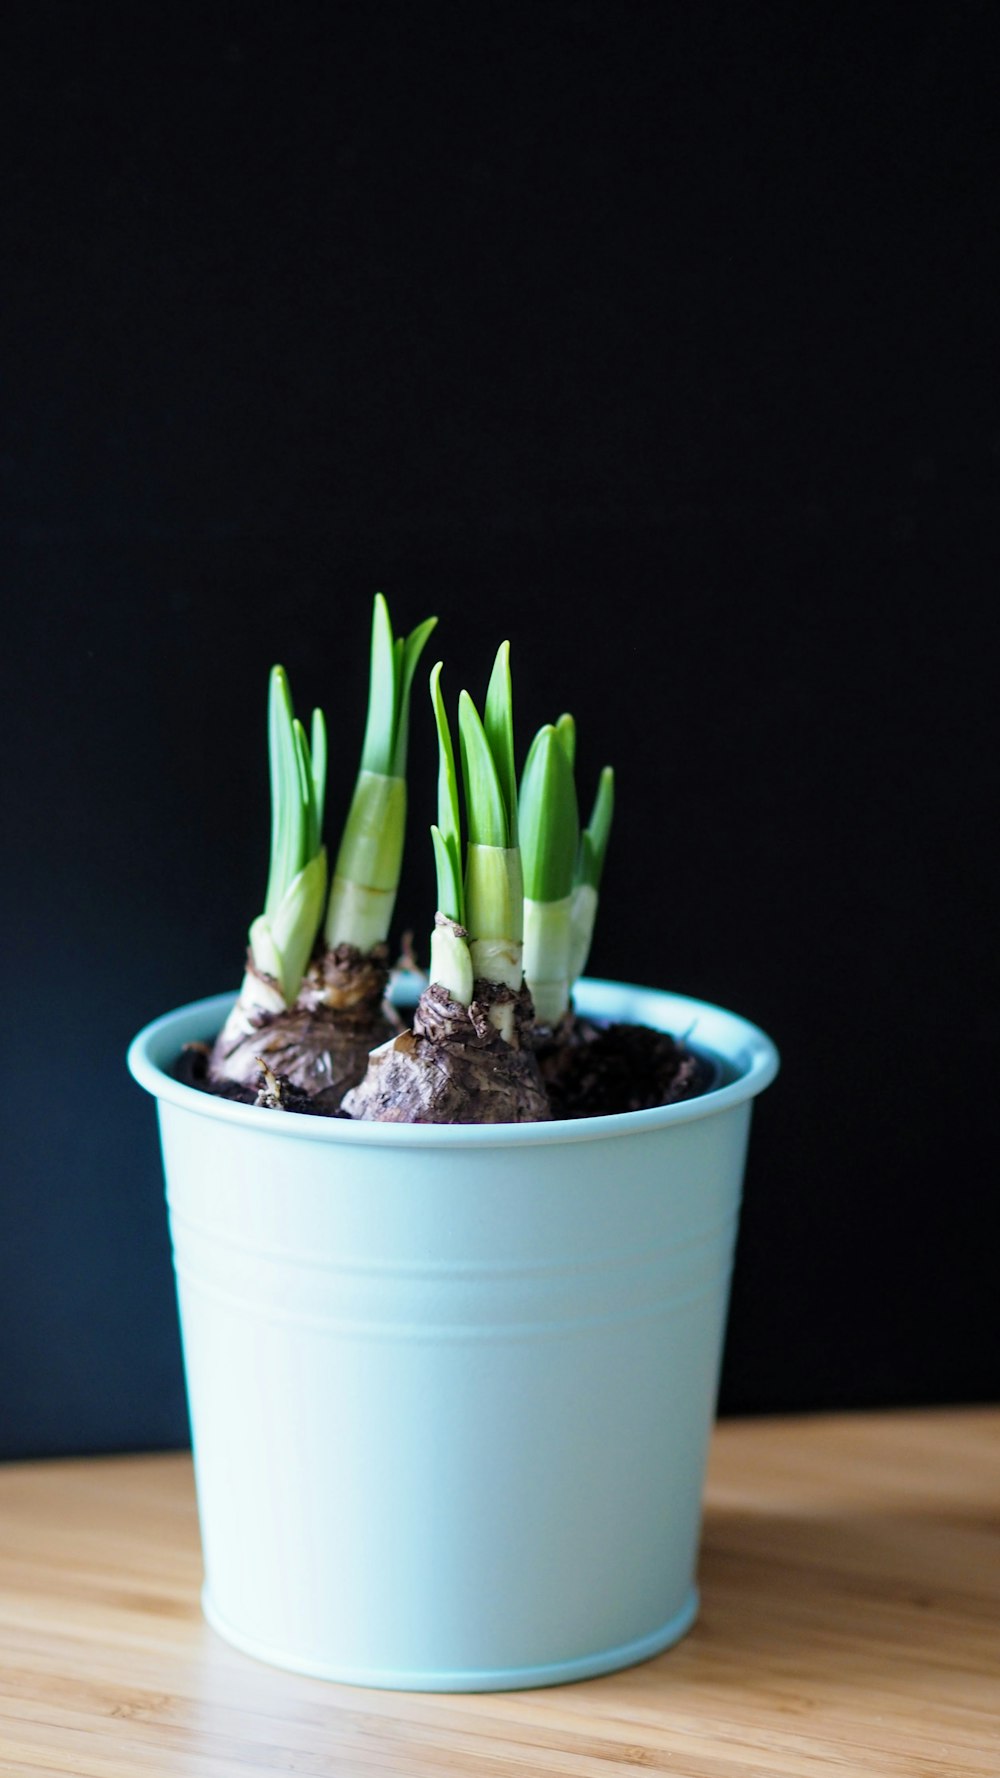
(595, 1071)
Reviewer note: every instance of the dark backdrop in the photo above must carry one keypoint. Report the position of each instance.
(658, 338)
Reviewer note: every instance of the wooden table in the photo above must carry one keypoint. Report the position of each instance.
(850, 1624)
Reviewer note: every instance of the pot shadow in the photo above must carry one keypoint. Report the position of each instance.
(829, 1600)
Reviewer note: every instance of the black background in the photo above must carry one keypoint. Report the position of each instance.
(660, 339)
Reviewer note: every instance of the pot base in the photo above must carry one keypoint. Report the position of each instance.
(500, 1679)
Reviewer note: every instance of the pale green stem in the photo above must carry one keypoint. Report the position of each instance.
(366, 877)
(582, 918)
(451, 961)
(257, 995)
(261, 996)
(494, 913)
(358, 915)
(547, 941)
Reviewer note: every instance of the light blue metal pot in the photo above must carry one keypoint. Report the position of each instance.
(451, 1388)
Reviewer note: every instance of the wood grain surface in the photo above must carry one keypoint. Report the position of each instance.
(850, 1624)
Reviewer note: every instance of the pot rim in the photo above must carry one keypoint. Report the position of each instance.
(723, 1035)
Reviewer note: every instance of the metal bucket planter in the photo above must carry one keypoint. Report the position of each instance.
(451, 1388)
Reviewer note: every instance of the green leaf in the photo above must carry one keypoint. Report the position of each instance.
(281, 938)
(304, 791)
(594, 839)
(587, 867)
(318, 753)
(277, 704)
(286, 803)
(297, 790)
(397, 667)
(448, 813)
(450, 899)
(566, 730)
(498, 722)
(485, 807)
(377, 751)
(415, 643)
(296, 922)
(454, 845)
(393, 664)
(550, 823)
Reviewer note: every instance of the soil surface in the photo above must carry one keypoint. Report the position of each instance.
(593, 1071)
(588, 1071)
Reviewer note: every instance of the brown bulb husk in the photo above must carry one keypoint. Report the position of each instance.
(453, 1066)
(320, 1046)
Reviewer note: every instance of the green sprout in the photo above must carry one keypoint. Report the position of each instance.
(282, 937)
(447, 834)
(562, 867)
(550, 843)
(589, 869)
(481, 915)
(369, 860)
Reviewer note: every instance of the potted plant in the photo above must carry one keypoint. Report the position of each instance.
(452, 1383)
